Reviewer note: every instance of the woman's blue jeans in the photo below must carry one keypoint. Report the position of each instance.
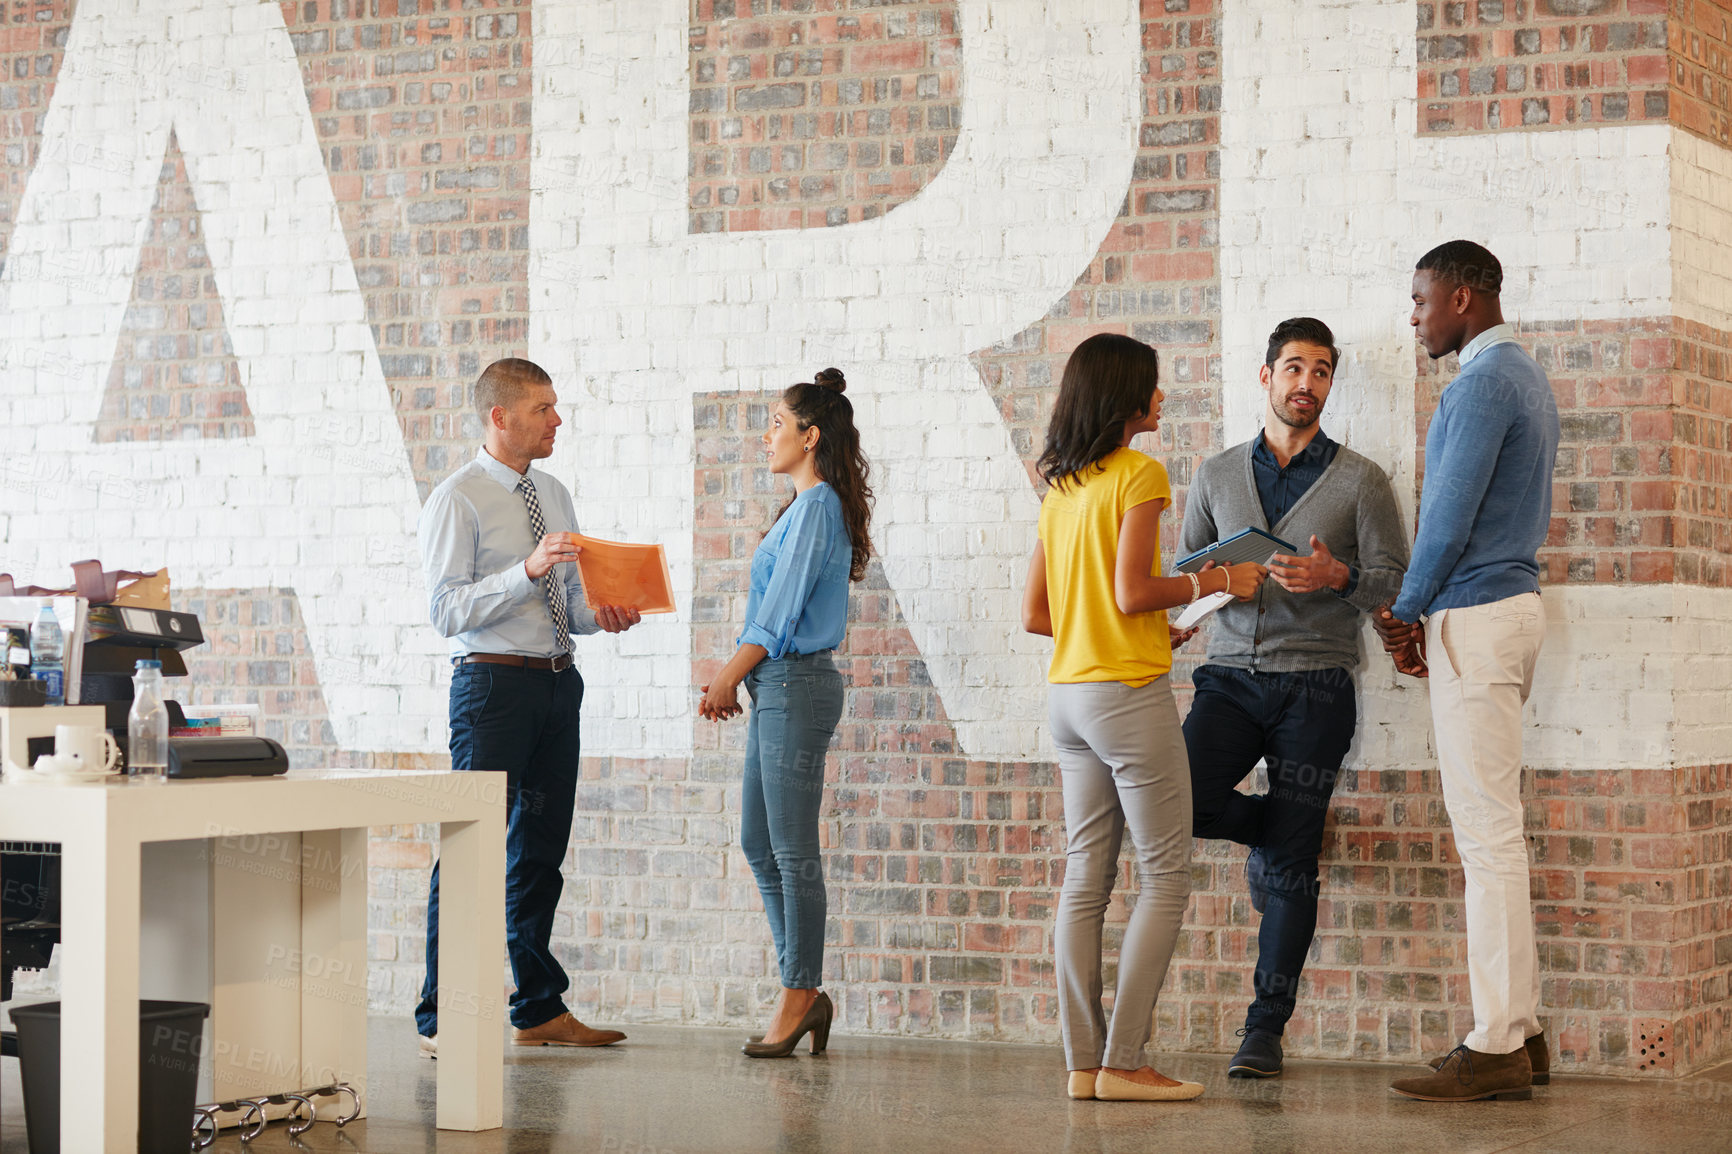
(796, 703)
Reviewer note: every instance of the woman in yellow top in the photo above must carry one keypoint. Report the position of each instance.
(1094, 588)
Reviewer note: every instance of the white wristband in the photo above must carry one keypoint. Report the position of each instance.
(1196, 586)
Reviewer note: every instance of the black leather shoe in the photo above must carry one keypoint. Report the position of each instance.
(1259, 1055)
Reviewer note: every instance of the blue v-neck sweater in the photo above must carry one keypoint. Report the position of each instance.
(1487, 501)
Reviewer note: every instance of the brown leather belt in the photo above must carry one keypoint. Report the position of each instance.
(557, 664)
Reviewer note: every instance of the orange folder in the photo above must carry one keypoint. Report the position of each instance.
(630, 576)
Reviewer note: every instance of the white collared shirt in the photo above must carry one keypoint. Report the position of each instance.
(475, 536)
(1503, 334)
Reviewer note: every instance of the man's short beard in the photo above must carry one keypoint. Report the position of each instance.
(1293, 420)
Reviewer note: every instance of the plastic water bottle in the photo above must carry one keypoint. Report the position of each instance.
(147, 726)
(48, 655)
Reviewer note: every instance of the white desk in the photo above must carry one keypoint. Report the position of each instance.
(101, 829)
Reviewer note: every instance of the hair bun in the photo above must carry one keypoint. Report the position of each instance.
(831, 379)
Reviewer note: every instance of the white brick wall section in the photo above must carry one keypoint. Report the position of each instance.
(320, 500)
(633, 315)
(1701, 230)
(1630, 677)
(1702, 677)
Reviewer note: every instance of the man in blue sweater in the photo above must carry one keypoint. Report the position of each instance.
(1474, 579)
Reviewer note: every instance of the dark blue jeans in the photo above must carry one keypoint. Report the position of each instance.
(1302, 725)
(796, 703)
(522, 721)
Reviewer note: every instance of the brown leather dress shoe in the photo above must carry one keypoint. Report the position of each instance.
(564, 1030)
(1469, 1076)
(1539, 1057)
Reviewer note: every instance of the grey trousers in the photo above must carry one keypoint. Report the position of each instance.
(1121, 755)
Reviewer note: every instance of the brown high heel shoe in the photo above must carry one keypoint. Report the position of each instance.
(816, 1022)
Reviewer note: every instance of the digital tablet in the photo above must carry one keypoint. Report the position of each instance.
(1249, 545)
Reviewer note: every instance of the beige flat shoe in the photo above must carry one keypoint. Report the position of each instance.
(1118, 1086)
(1082, 1084)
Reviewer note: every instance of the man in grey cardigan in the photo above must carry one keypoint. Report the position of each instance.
(1278, 684)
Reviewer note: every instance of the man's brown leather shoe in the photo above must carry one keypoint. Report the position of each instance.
(1539, 1057)
(1468, 1076)
(565, 1030)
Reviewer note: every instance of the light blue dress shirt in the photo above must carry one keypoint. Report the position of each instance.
(1503, 334)
(475, 536)
(799, 598)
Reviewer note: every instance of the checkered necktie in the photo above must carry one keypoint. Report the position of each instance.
(551, 584)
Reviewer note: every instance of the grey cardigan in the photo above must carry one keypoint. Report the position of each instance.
(1351, 508)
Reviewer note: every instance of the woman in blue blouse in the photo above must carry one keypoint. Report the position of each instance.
(796, 614)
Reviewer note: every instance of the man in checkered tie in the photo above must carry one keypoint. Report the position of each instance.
(497, 549)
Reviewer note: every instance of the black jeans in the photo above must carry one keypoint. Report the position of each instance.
(522, 721)
(1302, 725)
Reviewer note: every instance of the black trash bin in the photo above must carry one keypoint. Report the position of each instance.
(170, 1039)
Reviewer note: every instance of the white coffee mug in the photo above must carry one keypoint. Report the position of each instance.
(93, 747)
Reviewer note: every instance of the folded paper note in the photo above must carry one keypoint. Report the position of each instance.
(1201, 609)
(629, 576)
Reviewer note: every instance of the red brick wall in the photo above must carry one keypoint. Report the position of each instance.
(1644, 464)
(31, 39)
(1701, 929)
(807, 113)
(1699, 35)
(424, 122)
(1702, 445)
(1499, 64)
(1630, 901)
(175, 375)
(1488, 64)
(1613, 491)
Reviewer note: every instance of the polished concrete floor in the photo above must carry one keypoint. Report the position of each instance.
(685, 1091)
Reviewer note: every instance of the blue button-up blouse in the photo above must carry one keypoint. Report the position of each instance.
(799, 598)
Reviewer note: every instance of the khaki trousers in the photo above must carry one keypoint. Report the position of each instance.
(1482, 668)
(1121, 758)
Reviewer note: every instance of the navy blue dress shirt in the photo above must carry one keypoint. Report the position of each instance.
(1280, 488)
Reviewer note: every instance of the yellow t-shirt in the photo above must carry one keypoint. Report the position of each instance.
(1079, 526)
